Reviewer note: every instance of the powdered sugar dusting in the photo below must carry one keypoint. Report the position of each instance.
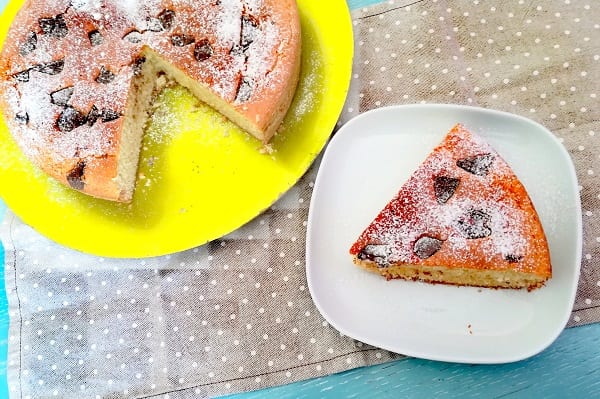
(489, 219)
(94, 8)
(135, 11)
(228, 23)
(138, 12)
(310, 89)
(254, 6)
(260, 63)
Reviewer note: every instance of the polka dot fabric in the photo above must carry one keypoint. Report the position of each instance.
(236, 314)
(233, 315)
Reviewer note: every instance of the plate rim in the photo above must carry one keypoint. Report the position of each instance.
(578, 242)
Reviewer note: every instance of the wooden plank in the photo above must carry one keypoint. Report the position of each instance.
(568, 368)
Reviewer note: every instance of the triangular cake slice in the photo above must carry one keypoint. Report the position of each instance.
(462, 218)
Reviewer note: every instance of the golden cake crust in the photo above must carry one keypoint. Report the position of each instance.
(462, 218)
(68, 74)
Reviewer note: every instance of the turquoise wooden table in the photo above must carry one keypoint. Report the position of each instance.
(570, 367)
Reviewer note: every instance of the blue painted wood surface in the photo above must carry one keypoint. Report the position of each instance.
(570, 368)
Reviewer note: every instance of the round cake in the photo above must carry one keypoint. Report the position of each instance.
(77, 77)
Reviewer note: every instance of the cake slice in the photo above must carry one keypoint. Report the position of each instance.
(462, 218)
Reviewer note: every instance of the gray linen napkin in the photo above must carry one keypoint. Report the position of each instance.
(233, 315)
(236, 314)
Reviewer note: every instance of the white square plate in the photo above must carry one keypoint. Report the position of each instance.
(363, 168)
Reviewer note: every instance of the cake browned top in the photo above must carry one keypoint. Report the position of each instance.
(463, 207)
(67, 66)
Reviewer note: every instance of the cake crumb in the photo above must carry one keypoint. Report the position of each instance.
(161, 82)
(267, 149)
(151, 161)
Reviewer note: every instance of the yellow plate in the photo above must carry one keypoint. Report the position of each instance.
(202, 177)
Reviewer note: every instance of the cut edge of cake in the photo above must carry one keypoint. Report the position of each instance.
(461, 276)
(142, 93)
